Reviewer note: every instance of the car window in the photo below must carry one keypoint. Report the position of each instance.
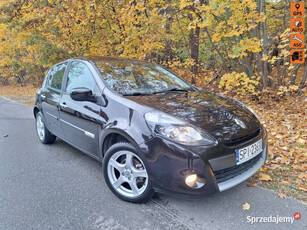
(56, 76)
(79, 76)
(127, 77)
(48, 79)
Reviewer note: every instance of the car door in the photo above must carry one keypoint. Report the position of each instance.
(51, 97)
(79, 119)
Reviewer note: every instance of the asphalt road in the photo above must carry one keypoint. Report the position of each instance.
(58, 187)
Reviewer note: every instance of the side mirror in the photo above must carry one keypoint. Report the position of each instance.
(82, 94)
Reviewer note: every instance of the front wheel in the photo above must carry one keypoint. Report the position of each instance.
(45, 136)
(126, 174)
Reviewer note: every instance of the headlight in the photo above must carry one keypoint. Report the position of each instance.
(177, 130)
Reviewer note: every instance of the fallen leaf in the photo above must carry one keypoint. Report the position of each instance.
(274, 166)
(301, 141)
(251, 185)
(264, 177)
(302, 168)
(281, 195)
(283, 168)
(285, 182)
(284, 148)
(262, 169)
(279, 136)
(303, 188)
(282, 160)
(246, 206)
(6, 135)
(303, 176)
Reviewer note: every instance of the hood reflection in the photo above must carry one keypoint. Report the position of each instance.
(221, 116)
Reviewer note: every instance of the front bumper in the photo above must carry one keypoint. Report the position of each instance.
(227, 184)
(169, 163)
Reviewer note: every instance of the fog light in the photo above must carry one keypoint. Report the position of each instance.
(195, 181)
(190, 180)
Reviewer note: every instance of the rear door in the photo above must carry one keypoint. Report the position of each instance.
(79, 119)
(51, 99)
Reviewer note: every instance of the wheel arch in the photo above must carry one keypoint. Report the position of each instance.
(35, 110)
(112, 136)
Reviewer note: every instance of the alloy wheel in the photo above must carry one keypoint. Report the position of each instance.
(40, 127)
(127, 174)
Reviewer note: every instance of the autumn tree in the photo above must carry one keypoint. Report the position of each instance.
(244, 40)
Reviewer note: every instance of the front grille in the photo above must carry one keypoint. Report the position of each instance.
(229, 173)
(243, 139)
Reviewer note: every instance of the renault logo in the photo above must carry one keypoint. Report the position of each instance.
(240, 123)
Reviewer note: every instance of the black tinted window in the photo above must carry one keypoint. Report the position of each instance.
(79, 76)
(56, 76)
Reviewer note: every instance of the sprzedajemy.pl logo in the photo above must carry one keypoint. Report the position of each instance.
(273, 219)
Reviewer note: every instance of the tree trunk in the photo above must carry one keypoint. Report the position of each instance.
(247, 67)
(286, 17)
(168, 43)
(258, 35)
(194, 44)
(279, 76)
(264, 77)
(293, 75)
(304, 78)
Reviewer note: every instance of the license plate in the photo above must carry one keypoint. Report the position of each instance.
(248, 152)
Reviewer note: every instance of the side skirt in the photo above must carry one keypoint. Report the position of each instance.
(82, 150)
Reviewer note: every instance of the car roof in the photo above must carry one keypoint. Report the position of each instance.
(104, 59)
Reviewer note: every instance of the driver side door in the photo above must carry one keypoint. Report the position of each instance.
(79, 119)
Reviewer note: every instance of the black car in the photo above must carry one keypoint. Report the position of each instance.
(152, 131)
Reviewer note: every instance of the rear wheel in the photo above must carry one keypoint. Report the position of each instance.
(45, 136)
(126, 174)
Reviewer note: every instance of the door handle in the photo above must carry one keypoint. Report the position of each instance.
(63, 105)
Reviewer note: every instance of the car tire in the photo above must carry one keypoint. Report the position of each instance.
(44, 135)
(127, 180)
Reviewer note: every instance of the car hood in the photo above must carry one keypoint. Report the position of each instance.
(222, 117)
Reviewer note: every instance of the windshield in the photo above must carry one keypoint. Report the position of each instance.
(132, 77)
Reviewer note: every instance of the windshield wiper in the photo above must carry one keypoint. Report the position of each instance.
(178, 89)
(135, 94)
(175, 89)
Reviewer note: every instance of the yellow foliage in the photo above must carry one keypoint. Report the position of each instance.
(35, 35)
(238, 82)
